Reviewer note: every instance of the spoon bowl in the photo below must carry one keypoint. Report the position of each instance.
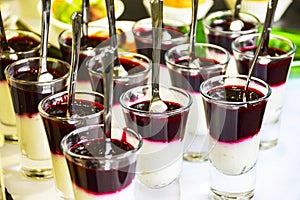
(237, 24)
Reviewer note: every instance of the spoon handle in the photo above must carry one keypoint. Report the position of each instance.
(264, 39)
(76, 29)
(156, 13)
(193, 29)
(107, 60)
(85, 20)
(110, 8)
(237, 9)
(46, 5)
(4, 45)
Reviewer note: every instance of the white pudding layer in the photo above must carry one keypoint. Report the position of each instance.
(62, 176)
(33, 138)
(7, 114)
(125, 194)
(235, 158)
(274, 105)
(159, 163)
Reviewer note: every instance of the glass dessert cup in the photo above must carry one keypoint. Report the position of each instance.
(24, 44)
(138, 69)
(274, 69)
(160, 159)
(96, 174)
(216, 27)
(213, 61)
(26, 93)
(234, 118)
(174, 33)
(87, 110)
(98, 37)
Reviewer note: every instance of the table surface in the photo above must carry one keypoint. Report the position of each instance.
(278, 174)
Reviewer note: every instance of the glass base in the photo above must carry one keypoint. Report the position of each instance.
(36, 169)
(9, 132)
(239, 186)
(216, 195)
(265, 145)
(195, 156)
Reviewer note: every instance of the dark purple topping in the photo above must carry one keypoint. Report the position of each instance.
(191, 81)
(223, 24)
(18, 44)
(22, 43)
(158, 129)
(25, 101)
(233, 125)
(144, 44)
(89, 177)
(132, 67)
(90, 41)
(274, 73)
(57, 129)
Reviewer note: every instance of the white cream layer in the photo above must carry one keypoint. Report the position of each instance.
(234, 158)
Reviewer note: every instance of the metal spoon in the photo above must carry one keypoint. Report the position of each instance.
(156, 104)
(76, 29)
(119, 70)
(85, 21)
(236, 24)
(263, 43)
(44, 75)
(4, 44)
(194, 63)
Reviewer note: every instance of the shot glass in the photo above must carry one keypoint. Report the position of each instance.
(234, 117)
(24, 44)
(96, 174)
(217, 27)
(26, 92)
(213, 61)
(174, 33)
(97, 37)
(138, 68)
(86, 110)
(272, 67)
(160, 159)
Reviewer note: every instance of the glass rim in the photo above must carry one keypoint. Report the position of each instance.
(121, 156)
(43, 113)
(209, 67)
(230, 13)
(26, 82)
(100, 74)
(150, 39)
(230, 103)
(258, 35)
(30, 33)
(157, 114)
(69, 30)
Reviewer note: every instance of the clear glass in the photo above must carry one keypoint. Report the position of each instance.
(138, 68)
(17, 40)
(97, 174)
(217, 32)
(234, 126)
(273, 69)
(87, 110)
(213, 61)
(159, 163)
(26, 93)
(98, 37)
(174, 33)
